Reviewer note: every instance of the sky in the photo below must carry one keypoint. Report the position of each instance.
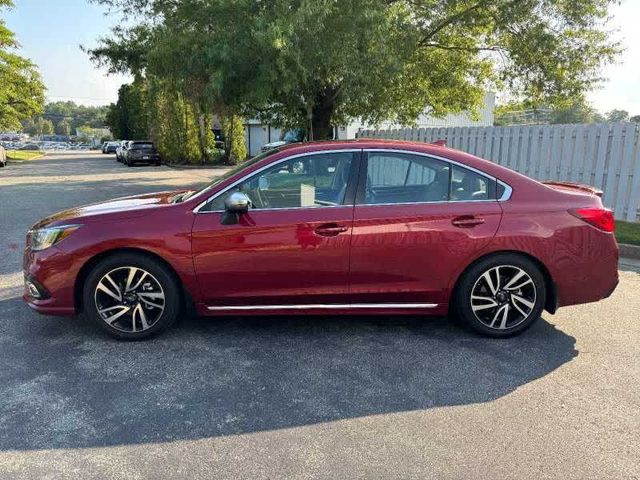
(51, 32)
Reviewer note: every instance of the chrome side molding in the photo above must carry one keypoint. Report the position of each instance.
(321, 306)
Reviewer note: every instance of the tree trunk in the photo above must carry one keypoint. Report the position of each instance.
(322, 114)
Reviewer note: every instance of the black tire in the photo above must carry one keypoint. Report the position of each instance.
(157, 272)
(506, 267)
(158, 163)
(128, 163)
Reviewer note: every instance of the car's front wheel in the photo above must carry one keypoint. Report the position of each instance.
(501, 295)
(131, 296)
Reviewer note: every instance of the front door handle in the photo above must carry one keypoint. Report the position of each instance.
(330, 229)
(467, 221)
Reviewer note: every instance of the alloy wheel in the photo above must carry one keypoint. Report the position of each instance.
(129, 299)
(503, 297)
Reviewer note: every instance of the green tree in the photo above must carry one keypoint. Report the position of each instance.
(63, 127)
(38, 126)
(617, 116)
(316, 63)
(173, 125)
(128, 117)
(46, 127)
(576, 110)
(635, 119)
(21, 88)
(76, 115)
(235, 144)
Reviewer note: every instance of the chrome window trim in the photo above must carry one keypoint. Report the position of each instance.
(506, 195)
(291, 157)
(316, 306)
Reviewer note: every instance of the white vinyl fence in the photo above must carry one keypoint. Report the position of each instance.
(606, 156)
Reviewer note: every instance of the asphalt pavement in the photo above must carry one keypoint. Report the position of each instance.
(297, 397)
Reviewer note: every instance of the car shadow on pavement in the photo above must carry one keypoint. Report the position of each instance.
(64, 384)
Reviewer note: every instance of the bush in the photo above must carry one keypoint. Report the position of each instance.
(235, 144)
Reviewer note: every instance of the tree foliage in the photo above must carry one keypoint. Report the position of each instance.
(127, 119)
(75, 115)
(322, 62)
(21, 88)
(617, 116)
(38, 126)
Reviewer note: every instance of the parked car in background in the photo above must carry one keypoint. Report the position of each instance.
(110, 147)
(142, 151)
(121, 151)
(30, 146)
(3, 156)
(290, 136)
(372, 227)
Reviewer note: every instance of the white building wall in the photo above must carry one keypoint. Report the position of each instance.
(464, 119)
(258, 134)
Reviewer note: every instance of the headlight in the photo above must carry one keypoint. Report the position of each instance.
(45, 237)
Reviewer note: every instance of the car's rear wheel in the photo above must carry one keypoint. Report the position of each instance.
(131, 296)
(501, 295)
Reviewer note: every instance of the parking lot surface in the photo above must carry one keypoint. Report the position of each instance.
(296, 397)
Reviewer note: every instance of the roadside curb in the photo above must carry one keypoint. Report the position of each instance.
(629, 251)
(23, 160)
(198, 167)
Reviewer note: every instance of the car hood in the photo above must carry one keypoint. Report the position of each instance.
(123, 207)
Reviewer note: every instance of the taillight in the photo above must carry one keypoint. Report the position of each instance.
(601, 218)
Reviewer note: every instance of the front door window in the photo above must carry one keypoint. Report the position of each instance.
(303, 182)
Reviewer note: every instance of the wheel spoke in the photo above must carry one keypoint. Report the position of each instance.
(489, 282)
(150, 304)
(132, 274)
(115, 293)
(121, 310)
(140, 280)
(488, 302)
(503, 314)
(143, 317)
(514, 279)
(515, 299)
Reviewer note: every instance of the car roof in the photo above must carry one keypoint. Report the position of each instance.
(437, 149)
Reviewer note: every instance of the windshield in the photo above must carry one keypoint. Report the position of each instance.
(230, 173)
(291, 136)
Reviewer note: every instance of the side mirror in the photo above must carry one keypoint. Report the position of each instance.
(237, 202)
(235, 205)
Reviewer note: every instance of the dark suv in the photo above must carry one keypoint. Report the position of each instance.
(142, 152)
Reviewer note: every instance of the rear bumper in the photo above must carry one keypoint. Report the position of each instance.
(590, 277)
(141, 159)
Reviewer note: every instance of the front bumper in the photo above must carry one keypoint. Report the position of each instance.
(51, 273)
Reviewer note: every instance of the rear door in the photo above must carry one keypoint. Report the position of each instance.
(417, 219)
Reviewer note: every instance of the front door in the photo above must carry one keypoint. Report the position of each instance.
(292, 247)
(417, 220)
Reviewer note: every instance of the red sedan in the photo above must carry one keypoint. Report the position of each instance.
(372, 227)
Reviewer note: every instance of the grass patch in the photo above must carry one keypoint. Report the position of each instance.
(23, 154)
(628, 232)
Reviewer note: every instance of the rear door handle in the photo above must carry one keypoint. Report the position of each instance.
(330, 229)
(467, 221)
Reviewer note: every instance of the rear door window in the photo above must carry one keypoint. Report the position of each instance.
(404, 178)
